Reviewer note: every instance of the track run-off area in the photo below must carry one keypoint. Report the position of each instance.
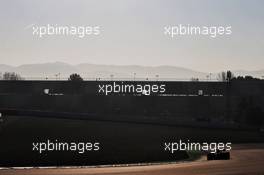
(247, 159)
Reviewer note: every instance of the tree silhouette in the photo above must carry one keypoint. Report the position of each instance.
(225, 76)
(11, 76)
(75, 77)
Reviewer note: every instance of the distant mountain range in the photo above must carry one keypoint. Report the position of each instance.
(92, 71)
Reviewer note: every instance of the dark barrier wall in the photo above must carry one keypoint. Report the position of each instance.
(220, 102)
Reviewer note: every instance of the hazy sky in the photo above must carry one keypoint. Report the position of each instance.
(132, 33)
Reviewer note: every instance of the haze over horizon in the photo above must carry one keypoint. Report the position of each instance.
(136, 65)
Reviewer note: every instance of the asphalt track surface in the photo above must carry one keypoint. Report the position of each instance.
(245, 160)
